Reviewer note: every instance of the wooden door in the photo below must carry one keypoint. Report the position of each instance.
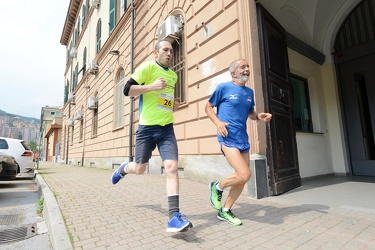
(357, 78)
(281, 148)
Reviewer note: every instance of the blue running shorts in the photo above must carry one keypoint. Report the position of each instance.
(148, 137)
(242, 147)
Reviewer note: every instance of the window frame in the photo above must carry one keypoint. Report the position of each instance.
(123, 7)
(178, 65)
(84, 60)
(301, 125)
(81, 130)
(98, 36)
(83, 13)
(95, 118)
(112, 15)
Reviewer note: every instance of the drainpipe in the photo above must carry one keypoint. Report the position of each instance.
(87, 88)
(40, 137)
(131, 72)
(67, 138)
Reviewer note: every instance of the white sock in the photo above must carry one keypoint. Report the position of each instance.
(218, 187)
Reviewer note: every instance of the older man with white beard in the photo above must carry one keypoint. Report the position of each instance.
(235, 104)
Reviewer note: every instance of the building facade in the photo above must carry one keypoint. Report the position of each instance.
(50, 134)
(307, 60)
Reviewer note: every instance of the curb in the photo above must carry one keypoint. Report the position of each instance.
(58, 234)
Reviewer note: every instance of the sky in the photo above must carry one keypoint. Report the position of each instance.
(32, 61)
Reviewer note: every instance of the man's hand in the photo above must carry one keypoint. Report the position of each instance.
(176, 104)
(221, 128)
(159, 84)
(266, 117)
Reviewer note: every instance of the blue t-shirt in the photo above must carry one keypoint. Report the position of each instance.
(234, 104)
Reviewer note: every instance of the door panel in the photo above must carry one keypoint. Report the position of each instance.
(357, 79)
(281, 146)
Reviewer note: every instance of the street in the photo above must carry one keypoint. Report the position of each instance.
(323, 214)
(20, 225)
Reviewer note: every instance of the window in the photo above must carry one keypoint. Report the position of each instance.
(112, 15)
(124, 6)
(302, 111)
(73, 82)
(81, 130)
(83, 15)
(119, 102)
(78, 28)
(74, 37)
(95, 118)
(71, 87)
(3, 144)
(76, 77)
(178, 66)
(68, 53)
(72, 136)
(66, 91)
(84, 60)
(98, 36)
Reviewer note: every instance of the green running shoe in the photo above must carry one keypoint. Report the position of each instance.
(229, 217)
(215, 195)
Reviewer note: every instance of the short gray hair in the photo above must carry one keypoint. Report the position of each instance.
(157, 45)
(234, 65)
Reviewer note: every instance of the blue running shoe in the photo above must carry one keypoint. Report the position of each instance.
(176, 224)
(116, 176)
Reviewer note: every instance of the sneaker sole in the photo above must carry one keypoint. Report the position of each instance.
(112, 179)
(223, 219)
(212, 204)
(177, 230)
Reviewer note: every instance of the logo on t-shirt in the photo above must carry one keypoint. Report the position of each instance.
(233, 96)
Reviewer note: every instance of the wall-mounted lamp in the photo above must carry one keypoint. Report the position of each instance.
(86, 87)
(114, 52)
(205, 27)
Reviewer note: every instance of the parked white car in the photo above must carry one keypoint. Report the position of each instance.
(20, 151)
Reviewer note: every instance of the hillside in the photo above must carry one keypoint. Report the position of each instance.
(19, 117)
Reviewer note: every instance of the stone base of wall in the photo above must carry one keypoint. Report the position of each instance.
(203, 169)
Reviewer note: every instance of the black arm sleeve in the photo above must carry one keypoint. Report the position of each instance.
(128, 85)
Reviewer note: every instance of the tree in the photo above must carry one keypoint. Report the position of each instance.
(33, 146)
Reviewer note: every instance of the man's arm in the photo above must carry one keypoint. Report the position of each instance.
(221, 126)
(266, 117)
(132, 88)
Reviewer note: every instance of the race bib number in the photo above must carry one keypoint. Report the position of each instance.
(166, 102)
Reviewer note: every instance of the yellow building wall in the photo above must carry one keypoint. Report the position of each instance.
(215, 33)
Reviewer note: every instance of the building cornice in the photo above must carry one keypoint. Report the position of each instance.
(70, 20)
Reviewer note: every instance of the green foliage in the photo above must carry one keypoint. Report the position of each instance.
(39, 206)
(33, 146)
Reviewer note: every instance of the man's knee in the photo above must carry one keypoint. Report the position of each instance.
(140, 168)
(243, 178)
(171, 167)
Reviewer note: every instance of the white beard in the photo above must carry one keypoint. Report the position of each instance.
(242, 78)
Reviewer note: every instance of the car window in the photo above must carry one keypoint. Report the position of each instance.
(3, 144)
(25, 145)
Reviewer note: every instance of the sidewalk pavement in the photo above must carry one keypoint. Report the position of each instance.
(133, 215)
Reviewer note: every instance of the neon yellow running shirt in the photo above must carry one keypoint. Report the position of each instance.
(155, 107)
